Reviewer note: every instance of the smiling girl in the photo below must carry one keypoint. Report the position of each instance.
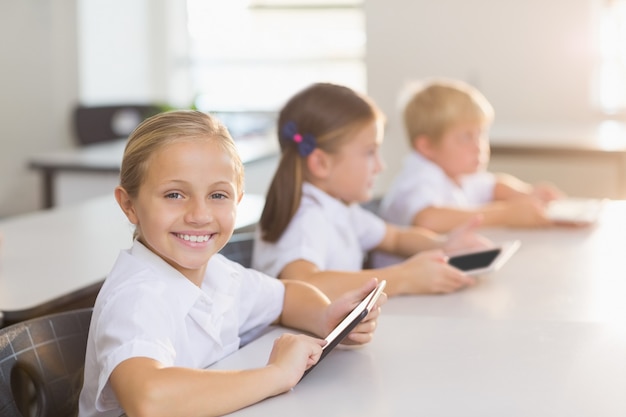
(172, 305)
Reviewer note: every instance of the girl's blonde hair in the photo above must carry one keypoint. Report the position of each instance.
(436, 105)
(324, 116)
(166, 128)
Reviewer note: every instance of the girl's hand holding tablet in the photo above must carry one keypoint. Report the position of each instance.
(340, 308)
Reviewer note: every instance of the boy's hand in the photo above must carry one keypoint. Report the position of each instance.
(526, 211)
(547, 192)
(341, 307)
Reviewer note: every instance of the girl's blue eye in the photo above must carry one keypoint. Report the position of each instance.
(218, 196)
(173, 195)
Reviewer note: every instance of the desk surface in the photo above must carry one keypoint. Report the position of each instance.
(543, 336)
(51, 256)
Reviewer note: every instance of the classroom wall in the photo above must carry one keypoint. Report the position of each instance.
(57, 53)
(38, 86)
(532, 59)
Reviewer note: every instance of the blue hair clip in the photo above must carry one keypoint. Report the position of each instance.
(305, 143)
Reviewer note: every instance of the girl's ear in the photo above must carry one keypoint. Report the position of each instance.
(318, 163)
(126, 204)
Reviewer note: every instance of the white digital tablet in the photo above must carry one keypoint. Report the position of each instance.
(484, 261)
(575, 211)
(350, 322)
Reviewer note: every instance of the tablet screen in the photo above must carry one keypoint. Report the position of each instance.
(478, 260)
(350, 322)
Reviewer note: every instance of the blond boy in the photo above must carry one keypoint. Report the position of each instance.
(444, 181)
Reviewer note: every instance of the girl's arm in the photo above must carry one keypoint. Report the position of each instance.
(146, 388)
(425, 273)
(307, 308)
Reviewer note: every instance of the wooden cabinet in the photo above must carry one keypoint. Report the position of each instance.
(579, 173)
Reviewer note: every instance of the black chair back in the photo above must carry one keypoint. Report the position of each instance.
(95, 124)
(239, 248)
(41, 365)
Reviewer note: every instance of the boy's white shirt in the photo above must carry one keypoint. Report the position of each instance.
(146, 308)
(325, 232)
(421, 183)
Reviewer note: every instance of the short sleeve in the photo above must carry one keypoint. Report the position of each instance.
(402, 204)
(369, 227)
(261, 300)
(304, 238)
(130, 326)
(479, 188)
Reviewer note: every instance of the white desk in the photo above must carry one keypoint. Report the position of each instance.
(543, 336)
(51, 257)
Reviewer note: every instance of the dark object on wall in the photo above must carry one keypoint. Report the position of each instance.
(95, 124)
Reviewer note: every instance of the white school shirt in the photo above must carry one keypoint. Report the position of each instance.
(146, 308)
(422, 183)
(325, 232)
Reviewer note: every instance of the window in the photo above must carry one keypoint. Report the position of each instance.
(611, 77)
(253, 55)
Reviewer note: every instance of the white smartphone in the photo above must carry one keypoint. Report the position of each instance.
(484, 261)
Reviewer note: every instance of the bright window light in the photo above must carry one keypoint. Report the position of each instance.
(253, 55)
(612, 69)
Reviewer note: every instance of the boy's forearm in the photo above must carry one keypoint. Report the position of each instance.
(508, 186)
(443, 219)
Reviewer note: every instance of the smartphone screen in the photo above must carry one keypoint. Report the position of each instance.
(476, 260)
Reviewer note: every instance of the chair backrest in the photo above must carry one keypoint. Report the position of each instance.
(373, 205)
(95, 124)
(239, 248)
(41, 365)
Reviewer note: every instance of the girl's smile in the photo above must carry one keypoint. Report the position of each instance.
(193, 238)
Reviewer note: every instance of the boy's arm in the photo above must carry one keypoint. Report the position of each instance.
(407, 241)
(445, 219)
(507, 187)
(416, 275)
(523, 211)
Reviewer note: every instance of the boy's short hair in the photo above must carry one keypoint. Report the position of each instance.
(433, 106)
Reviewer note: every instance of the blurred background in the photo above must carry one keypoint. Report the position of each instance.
(553, 70)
